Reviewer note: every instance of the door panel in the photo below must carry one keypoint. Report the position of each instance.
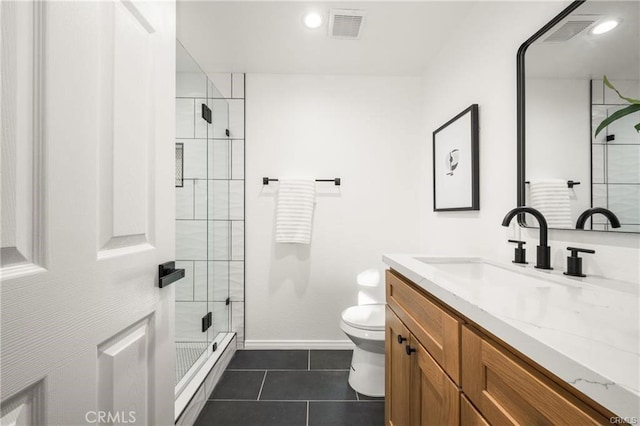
(123, 374)
(469, 416)
(126, 111)
(438, 330)
(21, 208)
(437, 397)
(397, 372)
(26, 408)
(93, 331)
(509, 392)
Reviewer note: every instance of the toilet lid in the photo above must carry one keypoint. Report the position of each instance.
(366, 317)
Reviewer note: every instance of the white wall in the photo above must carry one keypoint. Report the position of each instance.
(365, 130)
(479, 66)
(375, 133)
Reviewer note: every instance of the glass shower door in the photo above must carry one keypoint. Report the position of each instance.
(192, 172)
(219, 232)
(209, 207)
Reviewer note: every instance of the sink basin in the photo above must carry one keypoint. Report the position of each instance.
(482, 272)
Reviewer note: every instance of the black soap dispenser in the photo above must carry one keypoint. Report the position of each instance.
(520, 254)
(574, 262)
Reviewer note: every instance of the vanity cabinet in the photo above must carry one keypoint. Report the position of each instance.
(435, 328)
(469, 416)
(418, 391)
(435, 397)
(507, 391)
(422, 358)
(442, 369)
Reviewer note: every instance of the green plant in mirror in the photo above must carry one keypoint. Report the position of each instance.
(630, 109)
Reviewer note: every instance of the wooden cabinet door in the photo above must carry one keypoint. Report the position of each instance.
(435, 399)
(397, 372)
(509, 392)
(437, 330)
(469, 416)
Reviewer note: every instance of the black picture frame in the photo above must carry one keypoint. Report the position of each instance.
(462, 192)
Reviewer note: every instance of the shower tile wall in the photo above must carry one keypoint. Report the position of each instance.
(616, 163)
(212, 199)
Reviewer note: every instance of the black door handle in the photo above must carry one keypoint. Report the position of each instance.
(409, 349)
(167, 274)
(401, 339)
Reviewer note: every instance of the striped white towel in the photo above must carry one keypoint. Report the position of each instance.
(551, 198)
(294, 214)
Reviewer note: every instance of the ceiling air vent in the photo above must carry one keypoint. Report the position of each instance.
(569, 30)
(346, 23)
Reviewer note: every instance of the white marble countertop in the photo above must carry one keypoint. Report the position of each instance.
(584, 330)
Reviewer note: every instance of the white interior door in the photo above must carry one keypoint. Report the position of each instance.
(87, 212)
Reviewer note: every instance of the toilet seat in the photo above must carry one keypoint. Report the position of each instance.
(365, 317)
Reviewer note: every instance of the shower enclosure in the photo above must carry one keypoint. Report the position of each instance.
(209, 221)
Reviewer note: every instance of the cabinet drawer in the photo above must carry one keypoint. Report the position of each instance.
(469, 416)
(507, 391)
(437, 330)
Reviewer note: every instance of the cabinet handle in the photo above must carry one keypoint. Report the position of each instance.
(409, 349)
(401, 339)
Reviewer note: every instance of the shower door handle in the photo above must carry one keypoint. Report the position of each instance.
(167, 274)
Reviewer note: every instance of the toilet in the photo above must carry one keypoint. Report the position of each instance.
(364, 325)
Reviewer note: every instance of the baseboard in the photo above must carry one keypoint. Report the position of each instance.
(298, 344)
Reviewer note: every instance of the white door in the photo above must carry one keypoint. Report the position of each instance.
(87, 212)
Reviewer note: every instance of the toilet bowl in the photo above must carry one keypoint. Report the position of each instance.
(364, 325)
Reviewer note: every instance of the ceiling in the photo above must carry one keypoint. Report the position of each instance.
(398, 38)
(585, 56)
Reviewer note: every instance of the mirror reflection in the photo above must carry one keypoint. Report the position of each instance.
(567, 168)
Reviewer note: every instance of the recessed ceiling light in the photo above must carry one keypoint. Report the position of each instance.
(604, 27)
(312, 20)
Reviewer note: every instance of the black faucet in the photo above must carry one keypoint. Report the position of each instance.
(615, 223)
(543, 259)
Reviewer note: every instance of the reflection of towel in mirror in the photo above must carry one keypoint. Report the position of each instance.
(294, 213)
(551, 198)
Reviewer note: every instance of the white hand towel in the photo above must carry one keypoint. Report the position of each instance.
(294, 213)
(551, 198)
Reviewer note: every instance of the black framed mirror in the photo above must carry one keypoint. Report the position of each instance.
(563, 168)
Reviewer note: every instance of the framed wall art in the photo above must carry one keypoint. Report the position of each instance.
(456, 183)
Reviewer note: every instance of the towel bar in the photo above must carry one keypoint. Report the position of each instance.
(336, 181)
(570, 183)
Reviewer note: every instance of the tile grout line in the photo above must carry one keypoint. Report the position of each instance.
(309, 360)
(262, 384)
(307, 413)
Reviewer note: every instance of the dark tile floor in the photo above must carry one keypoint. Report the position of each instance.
(289, 388)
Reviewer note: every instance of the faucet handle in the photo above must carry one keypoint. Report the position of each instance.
(576, 250)
(520, 254)
(574, 262)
